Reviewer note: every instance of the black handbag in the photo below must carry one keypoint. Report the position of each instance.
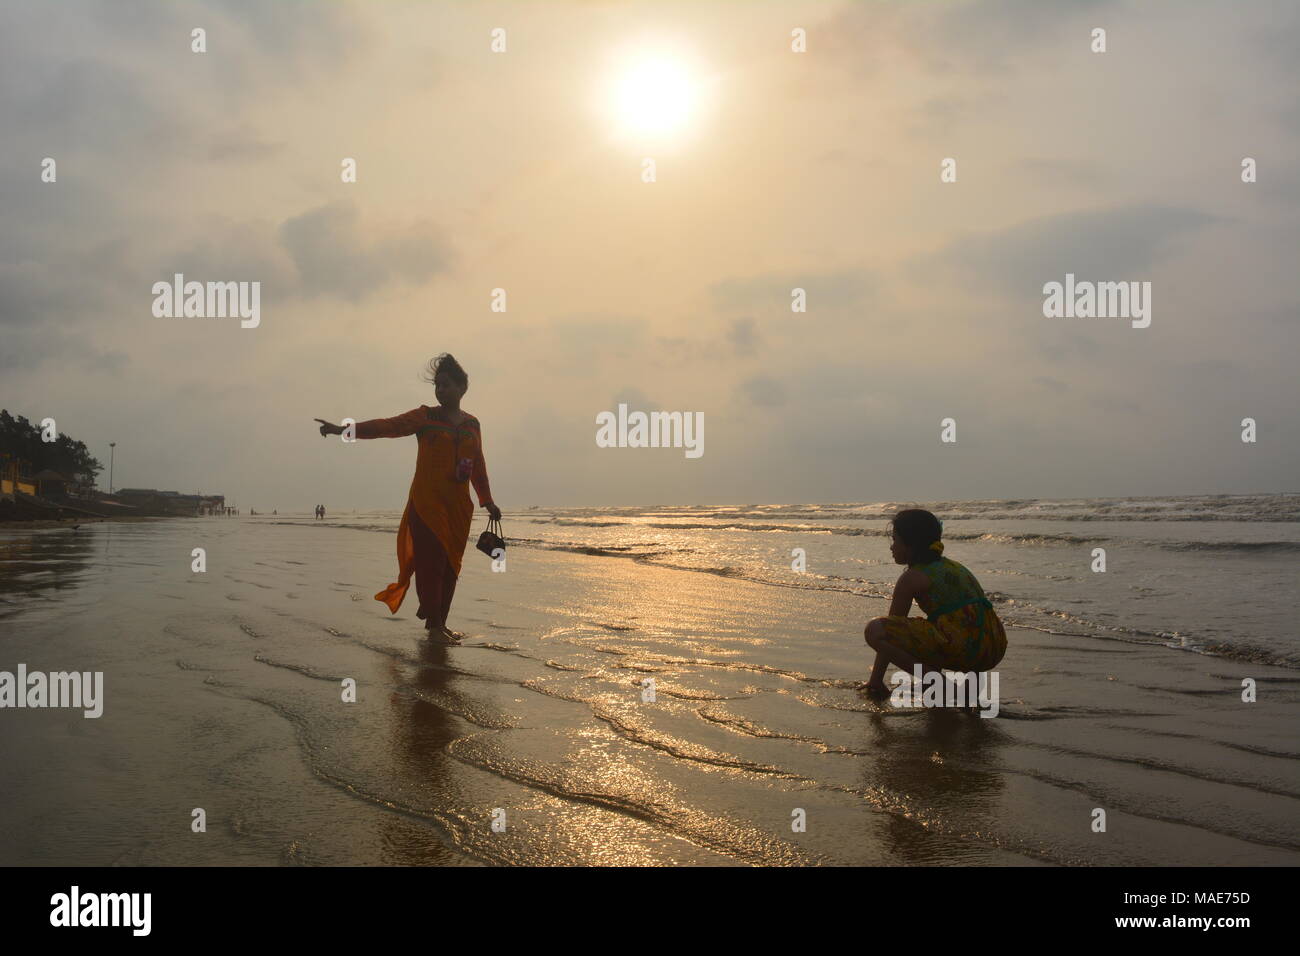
(490, 541)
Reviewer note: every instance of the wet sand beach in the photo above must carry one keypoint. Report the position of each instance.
(223, 691)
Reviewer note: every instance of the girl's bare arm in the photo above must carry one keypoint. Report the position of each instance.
(907, 588)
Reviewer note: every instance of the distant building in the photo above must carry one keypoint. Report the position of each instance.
(152, 501)
(51, 484)
(14, 477)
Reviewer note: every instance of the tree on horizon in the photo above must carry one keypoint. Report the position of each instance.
(20, 439)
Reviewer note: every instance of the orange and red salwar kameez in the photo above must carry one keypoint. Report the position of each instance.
(435, 525)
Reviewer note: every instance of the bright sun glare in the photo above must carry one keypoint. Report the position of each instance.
(654, 96)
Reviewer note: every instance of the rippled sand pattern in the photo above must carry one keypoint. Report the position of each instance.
(224, 692)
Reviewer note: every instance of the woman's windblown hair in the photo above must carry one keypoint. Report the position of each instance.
(446, 363)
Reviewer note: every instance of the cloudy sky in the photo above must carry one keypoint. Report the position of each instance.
(522, 170)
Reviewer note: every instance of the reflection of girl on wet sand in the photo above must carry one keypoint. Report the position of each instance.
(435, 525)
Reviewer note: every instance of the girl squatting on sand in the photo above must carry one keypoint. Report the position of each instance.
(960, 631)
(435, 525)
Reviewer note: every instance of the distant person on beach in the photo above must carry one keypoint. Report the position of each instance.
(960, 631)
(435, 525)
(322, 512)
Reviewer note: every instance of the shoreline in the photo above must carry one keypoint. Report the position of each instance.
(618, 712)
(44, 523)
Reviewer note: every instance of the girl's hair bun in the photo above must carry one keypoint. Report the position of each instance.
(920, 530)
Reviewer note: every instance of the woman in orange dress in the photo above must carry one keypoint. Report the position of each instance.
(435, 525)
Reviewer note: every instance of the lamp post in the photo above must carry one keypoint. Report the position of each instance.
(111, 445)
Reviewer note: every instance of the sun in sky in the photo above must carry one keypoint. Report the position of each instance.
(656, 94)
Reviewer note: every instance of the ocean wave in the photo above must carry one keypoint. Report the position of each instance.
(1282, 507)
(1251, 547)
(1026, 538)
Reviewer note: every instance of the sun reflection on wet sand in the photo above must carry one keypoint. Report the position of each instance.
(543, 712)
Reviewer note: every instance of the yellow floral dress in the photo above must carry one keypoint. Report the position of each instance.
(960, 631)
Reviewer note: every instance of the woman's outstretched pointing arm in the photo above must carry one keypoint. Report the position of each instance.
(397, 427)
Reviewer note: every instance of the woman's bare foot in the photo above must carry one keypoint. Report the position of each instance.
(875, 690)
(454, 636)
